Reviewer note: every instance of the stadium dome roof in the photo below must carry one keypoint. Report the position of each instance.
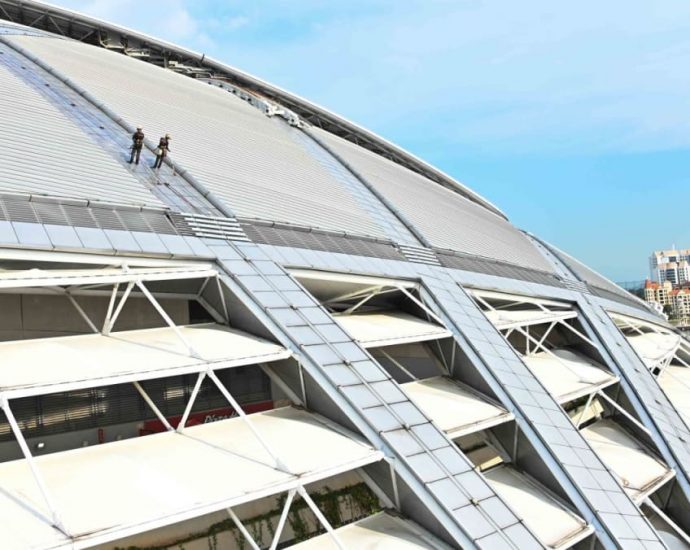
(486, 388)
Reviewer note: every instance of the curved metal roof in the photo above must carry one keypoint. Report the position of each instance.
(81, 27)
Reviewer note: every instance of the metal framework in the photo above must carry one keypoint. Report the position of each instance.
(552, 314)
(74, 281)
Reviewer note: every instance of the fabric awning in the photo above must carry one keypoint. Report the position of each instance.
(387, 329)
(654, 347)
(638, 470)
(454, 407)
(568, 375)
(675, 381)
(381, 531)
(32, 367)
(110, 491)
(549, 520)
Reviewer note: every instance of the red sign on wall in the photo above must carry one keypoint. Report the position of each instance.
(204, 417)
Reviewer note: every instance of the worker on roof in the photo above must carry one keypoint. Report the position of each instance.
(162, 150)
(137, 144)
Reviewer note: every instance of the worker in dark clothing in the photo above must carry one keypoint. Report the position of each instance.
(162, 150)
(137, 145)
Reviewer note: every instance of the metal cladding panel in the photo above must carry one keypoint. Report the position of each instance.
(44, 153)
(252, 162)
(445, 218)
(542, 419)
(425, 456)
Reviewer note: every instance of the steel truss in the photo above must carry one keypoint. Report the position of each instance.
(563, 318)
(122, 281)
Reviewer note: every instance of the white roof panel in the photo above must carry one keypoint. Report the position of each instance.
(447, 219)
(675, 381)
(639, 471)
(654, 347)
(32, 367)
(381, 531)
(45, 153)
(135, 485)
(568, 375)
(255, 163)
(456, 409)
(374, 330)
(553, 523)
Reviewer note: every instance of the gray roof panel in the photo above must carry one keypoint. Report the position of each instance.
(45, 153)
(251, 161)
(447, 219)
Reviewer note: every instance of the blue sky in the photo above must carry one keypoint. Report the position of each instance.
(574, 118)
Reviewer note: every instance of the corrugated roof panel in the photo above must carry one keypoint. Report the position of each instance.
(248, 159)
(446, 219)
(43, 152)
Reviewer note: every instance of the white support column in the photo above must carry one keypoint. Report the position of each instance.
(322, 519)
(243, 529)
(682, 534)
(624, 412)
(219, 286)
(546, 335)
(398, 364)
(111, 305)
(81, 312)
(394, 483)
(376, 489)
(167, 319)
(359, 304)
(422, 305)
(283, 519)
(190, 403)
(110, 322)
(584, 410)
(574, 330)
(57, 521)
(238, 409)
(153, 406)
(271, 373)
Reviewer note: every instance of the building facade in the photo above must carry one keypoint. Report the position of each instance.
(670, 265)
(295, 333)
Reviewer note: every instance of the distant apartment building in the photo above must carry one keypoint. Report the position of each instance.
(670, 265)
(664, 294)
(659, 293)
(681, 302)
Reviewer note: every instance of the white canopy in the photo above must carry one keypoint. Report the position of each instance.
(455, 408)
(654, 347)
(381, 531)
(32, 367)
(675, 381)
(549, 520)
(638, 470)
(507, 318)
(374, 330)
(111, 491)
(567, 374)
